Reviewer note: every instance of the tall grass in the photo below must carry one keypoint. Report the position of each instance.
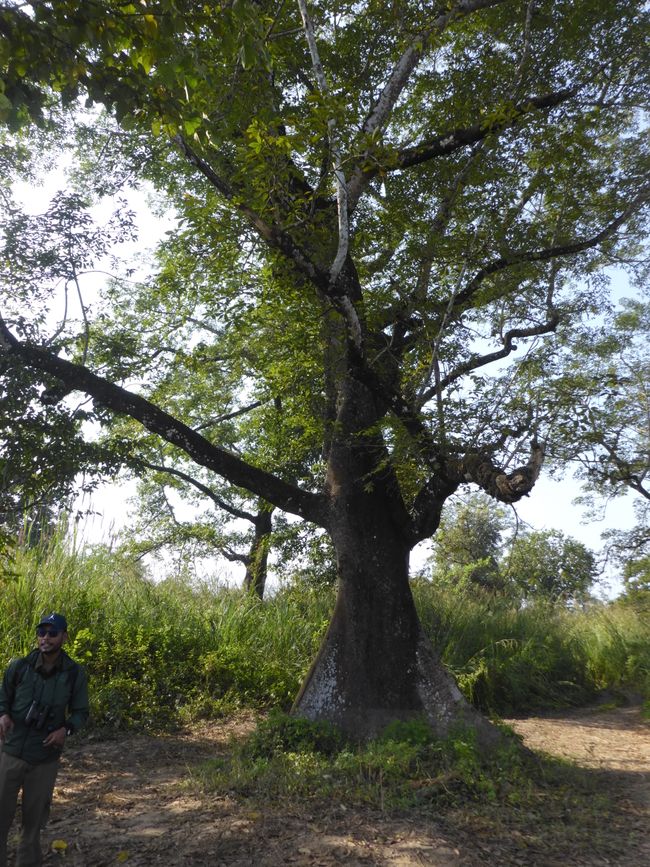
(160, 653)
(509, 659)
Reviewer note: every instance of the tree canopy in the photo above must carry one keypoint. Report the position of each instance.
(606, 431)
(391, 217)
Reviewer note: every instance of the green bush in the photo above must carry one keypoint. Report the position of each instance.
(160, 653)
(510, 660)
(281, 733)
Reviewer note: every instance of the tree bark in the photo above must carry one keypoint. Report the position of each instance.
(375, 664)
(257, 560)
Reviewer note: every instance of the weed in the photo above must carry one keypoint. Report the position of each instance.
(281, 733)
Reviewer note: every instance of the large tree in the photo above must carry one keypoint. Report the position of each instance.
(387, 210)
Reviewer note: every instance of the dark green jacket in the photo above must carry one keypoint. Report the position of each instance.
(63, 693)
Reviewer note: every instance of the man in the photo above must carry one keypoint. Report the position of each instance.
(43, 699)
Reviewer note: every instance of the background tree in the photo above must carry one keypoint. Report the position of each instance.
(190, 535)
(468, 544)
(549, 565)
(377, 204)
(636, 577)
(478, 547)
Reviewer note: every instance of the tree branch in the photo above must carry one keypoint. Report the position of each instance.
(234, 556)
(448, 143)
(346, 305)
(204, 489)
(412, 56)
(273, 236)
(477, 361)
(285, 496)
(476, 467)
(544, 255)
(399, 78)
(525, 50)
(428, 504)
(221, 418)
(510, 487)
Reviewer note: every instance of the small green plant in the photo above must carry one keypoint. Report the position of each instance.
(645, 709)
(415, 731)
(282, 733)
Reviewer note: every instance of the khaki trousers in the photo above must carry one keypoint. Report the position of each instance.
(37, 783)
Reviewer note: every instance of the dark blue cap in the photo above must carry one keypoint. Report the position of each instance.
(58, 621)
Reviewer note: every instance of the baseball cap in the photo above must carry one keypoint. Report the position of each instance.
(58, 621)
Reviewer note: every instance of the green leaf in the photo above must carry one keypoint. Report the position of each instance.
(6, 106)
(191, 125)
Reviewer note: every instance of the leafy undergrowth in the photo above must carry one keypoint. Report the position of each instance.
(168, 653)
(406, 766)
(527, 801)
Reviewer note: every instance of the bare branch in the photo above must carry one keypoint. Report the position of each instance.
(525, 51)
(441, 220)
(508, 339)
(412, 56)
(434, 367)
(401, 311)
(204, 489)
(234, 556)
(526, 195)
(84, 314)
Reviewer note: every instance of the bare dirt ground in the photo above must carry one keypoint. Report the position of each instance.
(129, 801)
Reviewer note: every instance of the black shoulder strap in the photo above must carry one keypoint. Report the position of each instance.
(19, 670)
(21, 667)
(72, 675)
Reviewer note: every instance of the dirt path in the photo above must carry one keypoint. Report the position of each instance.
(128, 801)
(616, 741)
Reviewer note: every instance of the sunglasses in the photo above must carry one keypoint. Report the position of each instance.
(42, 631)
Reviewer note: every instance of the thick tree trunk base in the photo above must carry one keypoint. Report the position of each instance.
(375, 665)
(435, 698)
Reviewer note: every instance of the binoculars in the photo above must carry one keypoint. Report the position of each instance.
(37, 715)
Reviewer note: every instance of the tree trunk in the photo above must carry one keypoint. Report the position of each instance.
(375, 664)
(257, 560)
